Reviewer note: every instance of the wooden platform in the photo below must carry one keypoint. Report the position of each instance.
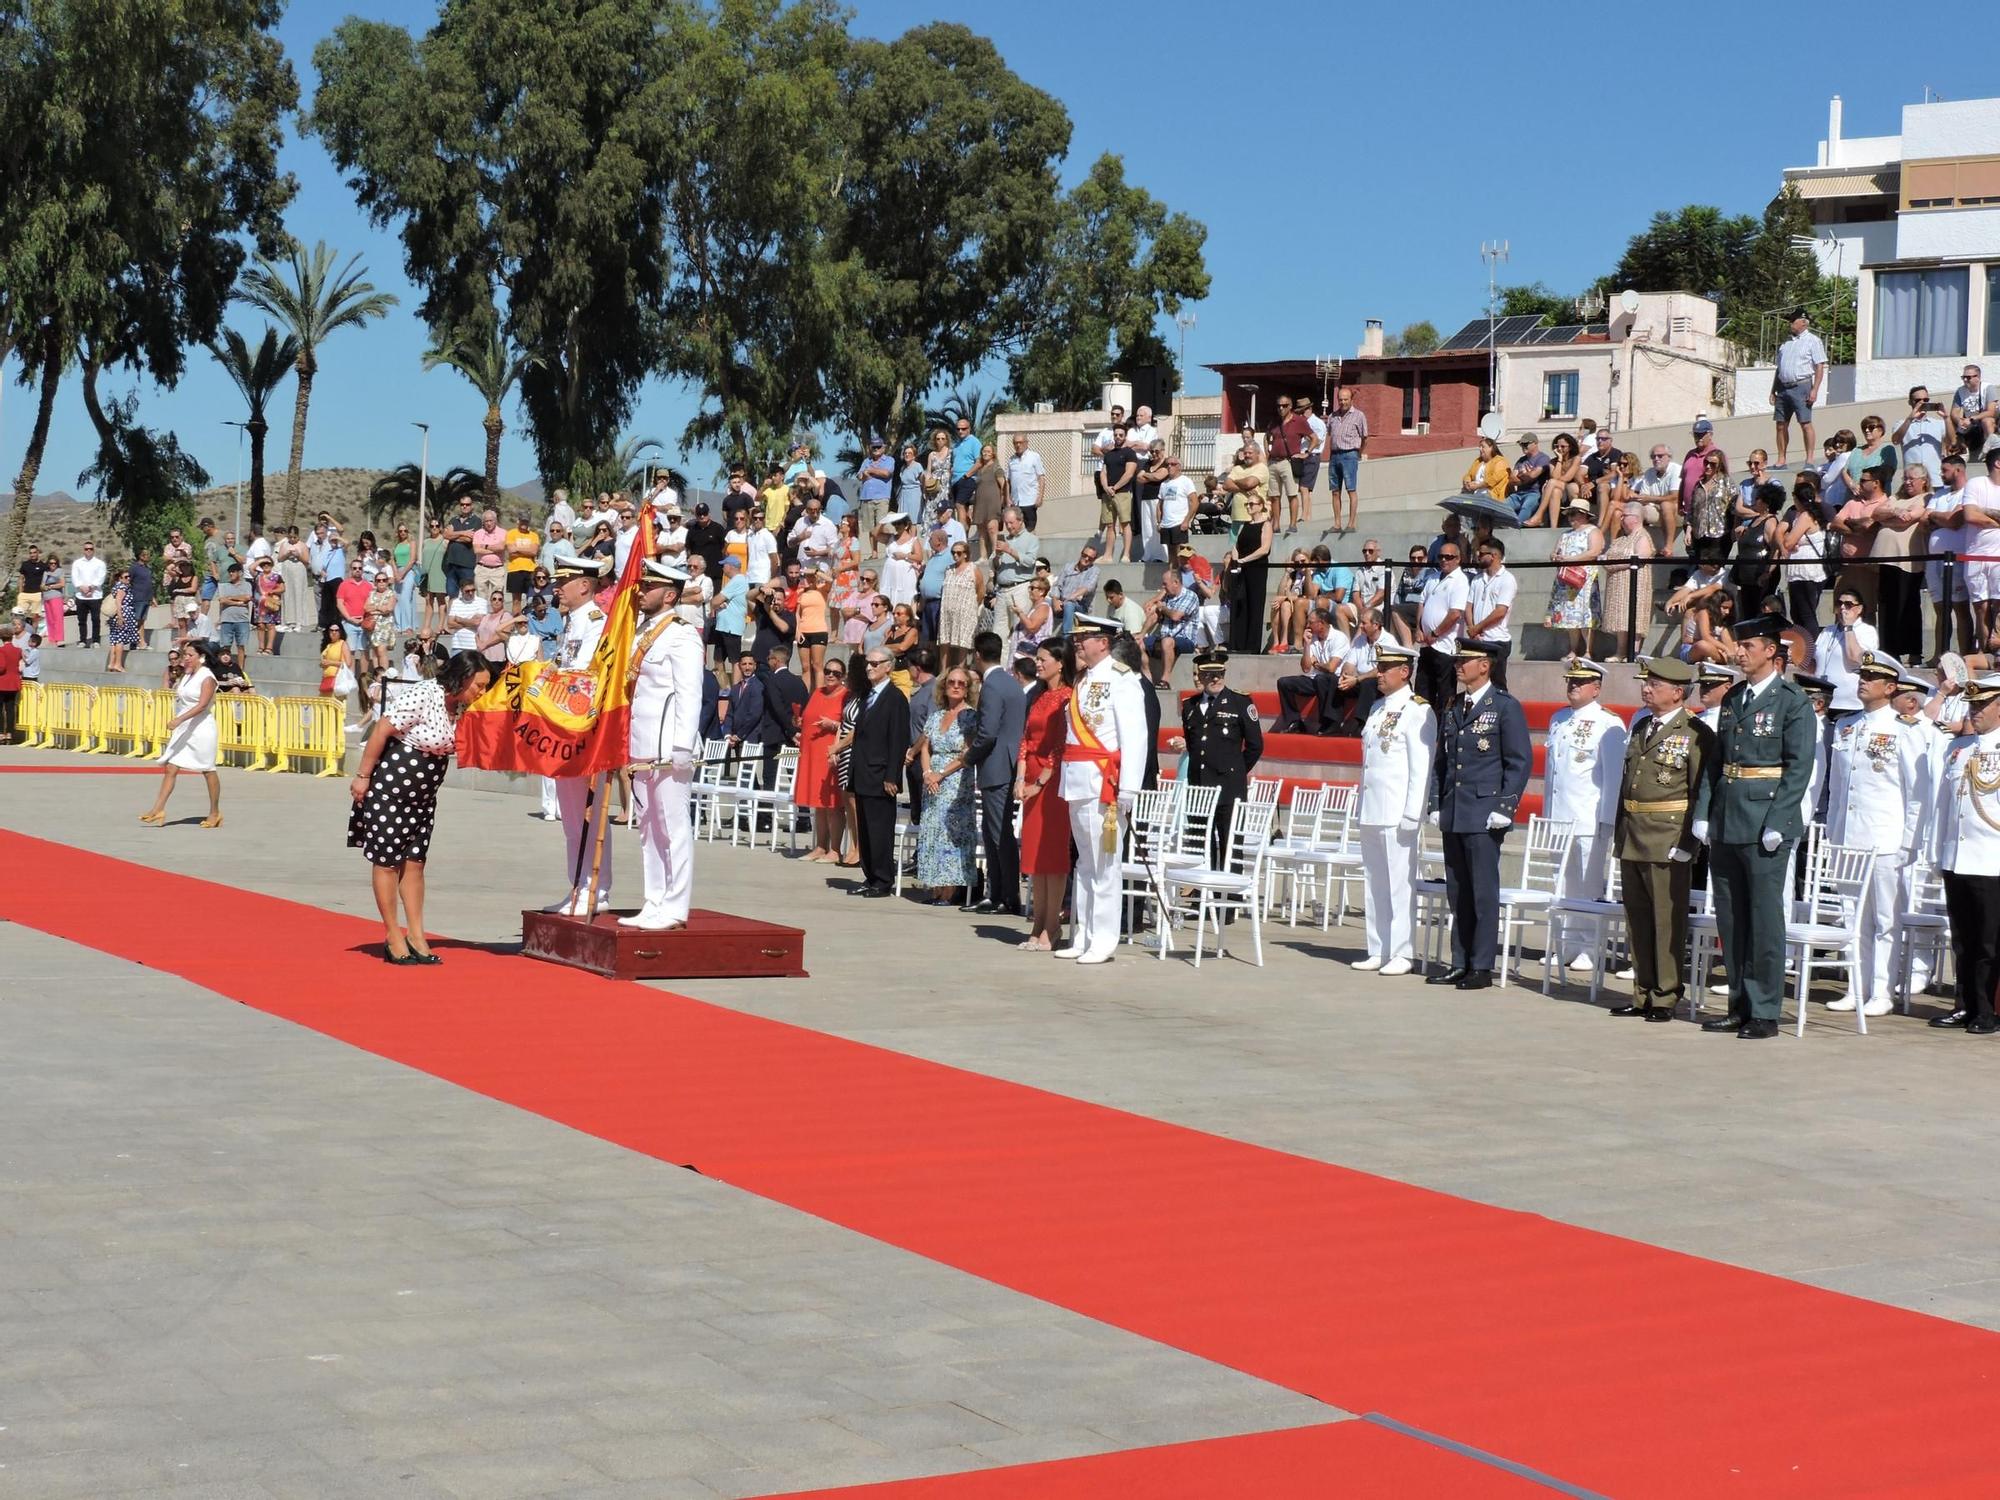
(714, 945)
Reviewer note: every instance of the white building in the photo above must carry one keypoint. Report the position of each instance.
(1915, 219)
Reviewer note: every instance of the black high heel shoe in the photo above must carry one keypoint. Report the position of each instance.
(424, 958)
(407, 958)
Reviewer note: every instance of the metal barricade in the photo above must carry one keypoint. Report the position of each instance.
(243, 731)
(308, 729)
(121, 722)
(160, 710)
(67, 715)
(28, 714)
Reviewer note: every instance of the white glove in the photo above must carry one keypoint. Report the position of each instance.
(1681, 857)
(1408, 825)
(682, 762)
(1497, 821)
(1699, 832)
(1770, 841)
(1437, 820)
(1127, 805)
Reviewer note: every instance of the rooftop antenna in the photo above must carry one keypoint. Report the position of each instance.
(1492, 252)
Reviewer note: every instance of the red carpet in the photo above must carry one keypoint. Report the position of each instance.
(1614, 1366)
(146, 770)
(1340, 1461)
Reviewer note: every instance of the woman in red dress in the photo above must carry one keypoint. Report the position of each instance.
(1044, 814)
(818, 787)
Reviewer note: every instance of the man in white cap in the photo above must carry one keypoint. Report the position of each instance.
(1104, 765)
(1397, 743)
(666, 717)
(1879, 783)
(1583, 766)
(577, 580)
(1715, 681)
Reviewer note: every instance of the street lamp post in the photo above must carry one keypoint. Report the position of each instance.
(1492, 252)
(423, 481)
(1183, 321)
(241, 429)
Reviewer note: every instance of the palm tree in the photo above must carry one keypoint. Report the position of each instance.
(482, 358)
(314, 303)
(400, 489)
(257, 375)
(972, 404)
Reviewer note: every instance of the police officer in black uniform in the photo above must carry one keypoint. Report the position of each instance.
(1220, 742)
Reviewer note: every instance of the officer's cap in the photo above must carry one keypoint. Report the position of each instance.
(1762, 628)
(581, 567)
(1093, 625)
(1713, 672)
(1487, 649)
(1667, 669)
(1214, 659)
(1394, 654)
(1878, 664)
(1819, 687)
(1583, 669)
(665, 572)
(1909, 682)
(1982, 690)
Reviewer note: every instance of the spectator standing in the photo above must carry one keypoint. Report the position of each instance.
(233, 603)
(523, 547)
(881, 736)
(958, 617)
(215, 555)
(817, 788)
(489, 554)
(1440, 623)
(707, 540)
(948, 827)
(1920, 436)
(1573, 604)
(86, 577)
(1628, 581)
(462, 617)
(1795, 384)
(1248, 564)
(1347, 445)
(995, 750)
(930, 584)
(909, 498)
(1026, 480)
(1015, 551)
(1117, 478)
(1695, 468)
(10, 684)
(54, 602)
(128, 613)
(966, 456)
(1489, 603)
(1838, 651)
(1177, 500)
(1287, 444)
(1946, 533)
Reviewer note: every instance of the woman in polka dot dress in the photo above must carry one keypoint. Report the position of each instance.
(395, 796)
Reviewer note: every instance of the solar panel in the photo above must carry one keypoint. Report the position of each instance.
(1565, 334)
(1471, 336)
(1516, 330)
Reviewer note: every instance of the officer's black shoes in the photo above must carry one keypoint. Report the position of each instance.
(1755, 1030)
(1730, 1022)
(1660, 1013)
(1951, 1022)
(1446, 976)
(1982, 1028)
(1631, 1010)
(1476, 979)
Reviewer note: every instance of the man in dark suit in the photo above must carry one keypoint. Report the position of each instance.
(881, 738)
(996, 753)
(745, 723)
(784, 700)
(711, 707)
(1220, 742)
(922, 663)
(1484, 759)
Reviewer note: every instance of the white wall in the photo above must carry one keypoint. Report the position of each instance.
(1954, 127)
(1521, 380)
(1947, 233)
(1843, 249)
(1753, 389)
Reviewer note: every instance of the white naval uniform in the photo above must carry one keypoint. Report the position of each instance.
(1961, 841)
(1397, 744)
(1583, 770)
(1108, 699)
(582, 629)
(1879, 783)
(666, 723)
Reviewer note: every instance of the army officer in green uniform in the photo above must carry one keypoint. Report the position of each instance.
(1764, 742)
(1664, 795)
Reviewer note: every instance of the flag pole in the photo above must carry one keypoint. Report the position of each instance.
(600, 801)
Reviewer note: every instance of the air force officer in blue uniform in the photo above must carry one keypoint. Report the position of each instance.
(1483, 763)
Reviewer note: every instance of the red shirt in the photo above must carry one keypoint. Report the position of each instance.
(10, 668)
(1293, 439)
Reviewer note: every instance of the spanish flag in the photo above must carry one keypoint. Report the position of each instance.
(551, 722)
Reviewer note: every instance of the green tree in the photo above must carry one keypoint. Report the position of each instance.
(624, 467)
(257, 374)
(519, 145)
(1420, 337)
(1696, 248)
(481, 355)
(1118, 261)
(400, 491)
(1536, 300)
(981, 410)
(142, 478)
(950, 198)
(140, 149)
(314, 302)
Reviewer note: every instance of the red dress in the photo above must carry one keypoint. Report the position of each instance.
(1045, 818)
(817, 786)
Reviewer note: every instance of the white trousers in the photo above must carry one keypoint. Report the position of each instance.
(550, 807)
(573, 802)
(1095, 905)
(1389, 870)
(1210, 624)
(1876, 923)
(1583, 880)
(1920, 964)
(660, 802)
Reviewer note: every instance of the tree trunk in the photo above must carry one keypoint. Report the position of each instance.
(495, 425)
(307, 367)
(31, 461)
(258, 428)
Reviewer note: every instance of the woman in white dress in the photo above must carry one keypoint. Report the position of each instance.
(301, 598)
(191, 737)
(899, 562)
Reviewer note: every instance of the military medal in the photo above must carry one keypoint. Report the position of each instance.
(1484, 743)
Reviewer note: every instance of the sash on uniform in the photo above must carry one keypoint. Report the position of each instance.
(1086, 747)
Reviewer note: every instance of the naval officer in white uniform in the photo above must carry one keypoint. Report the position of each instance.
(666, 718)
(1583, 769)
(1398, 740)
(577, 581)
(1965, 846)
(1103, 767)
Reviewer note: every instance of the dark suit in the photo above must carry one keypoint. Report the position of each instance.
(711, 707)
(881, 737)
(995, 752)
(1484, 759)
(745, 723)
(1224, 742)
(922, 703)
(1150, 700)
(784, 699)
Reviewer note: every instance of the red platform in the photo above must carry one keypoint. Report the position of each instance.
(713, 945)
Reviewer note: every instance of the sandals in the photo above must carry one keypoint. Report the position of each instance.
(153, 819)
(212, 822)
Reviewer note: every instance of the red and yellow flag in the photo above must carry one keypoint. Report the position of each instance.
(549, 721)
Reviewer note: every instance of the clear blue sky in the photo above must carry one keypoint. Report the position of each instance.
(1409, 112)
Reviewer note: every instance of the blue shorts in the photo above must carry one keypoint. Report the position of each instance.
(1310, 476)
(208, 587)
(357, 638)
(1792, 401)
(1181, 633)
(1343, 466)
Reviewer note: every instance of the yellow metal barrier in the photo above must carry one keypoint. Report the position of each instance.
(121, 721)
(308, 729)
(243, 730)
(160, 707)
(28, 714)
(67, 711)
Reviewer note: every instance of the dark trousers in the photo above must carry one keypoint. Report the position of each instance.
(1656, 921)
(329, 603)
(10, 703)
(1803, 599)
(913, 783)
(1246, 610)
(1973, 904)
(1233, 792)
(1899, 611)
(1472, 891)
(877, 837)
(90, 622)
(1747, 895)
(1437, 679)
(929, 611)
(1305, 701)
(1028, 513)
(1003, 848)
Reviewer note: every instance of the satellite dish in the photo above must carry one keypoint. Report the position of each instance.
(1490, 426)
(1629, 300)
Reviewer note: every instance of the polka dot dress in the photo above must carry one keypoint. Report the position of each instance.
(392, 822)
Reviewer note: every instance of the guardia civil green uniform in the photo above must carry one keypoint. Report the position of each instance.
(1757, 788)
(1664, 793)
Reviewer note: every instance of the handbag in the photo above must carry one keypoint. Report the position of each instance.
(1572, 577)
(343, 681)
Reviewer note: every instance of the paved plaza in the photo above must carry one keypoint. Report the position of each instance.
(239, 1258)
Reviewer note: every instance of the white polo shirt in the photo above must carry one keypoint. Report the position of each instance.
(1442, 595)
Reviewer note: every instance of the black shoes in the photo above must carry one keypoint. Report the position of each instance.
(405, 959)
(876, 892)
(996, 908)
(1631, 1010)
(868, 888)
(1734, 1021)
(1446, 976)
(1755, 1030)
(1476, 979)
(1952, 1022)
(1984, 1027)
(1659, 1013)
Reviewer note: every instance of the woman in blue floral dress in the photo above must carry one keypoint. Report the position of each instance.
(948, 832)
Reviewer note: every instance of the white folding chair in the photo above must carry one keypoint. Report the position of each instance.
(1920, 927)
(1825, 934)
(1301, 833)
(777, 800)
(1195, 822)
(1265, 790)
(1149, 838)
(1430, 913)
(737, 783)
(1236, 886)
(701, 794)
(1524, 905)
(1604, 917)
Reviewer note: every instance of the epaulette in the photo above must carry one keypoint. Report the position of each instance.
(1913, 720)
(1119, 666)
(1419, 698)
(593, 613)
